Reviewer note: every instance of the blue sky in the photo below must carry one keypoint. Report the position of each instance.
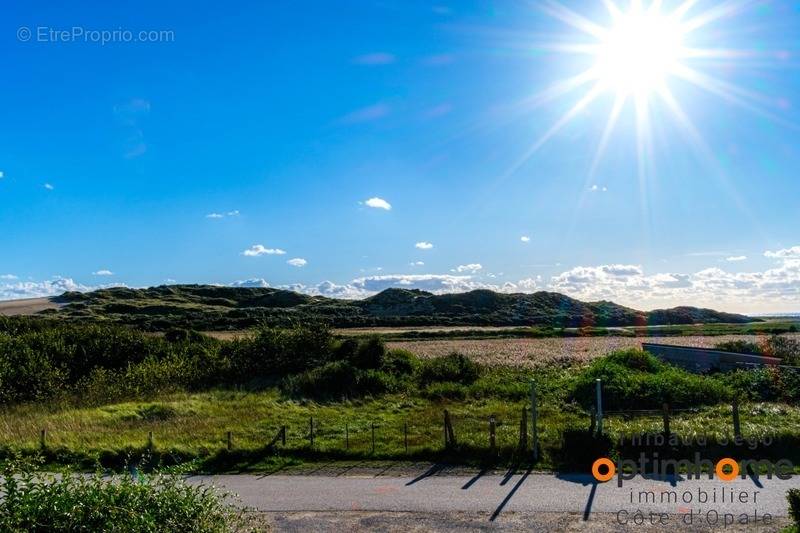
(269, 127)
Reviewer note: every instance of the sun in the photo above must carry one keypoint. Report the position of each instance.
(639, 51)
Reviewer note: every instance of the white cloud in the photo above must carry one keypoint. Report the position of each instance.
(374, 59)
(2, 175)
(8, 277)
(786, 253)
(234, 213)
(736, 258)
(378, 203)
(259, 249)
(434, 283)
(103, 272)
(48, 187)
(525, 238)
(42, 289)
(711, 287)
(297, 262)
(253, 282)
(417, 264)
(422, 245)
(471, 267)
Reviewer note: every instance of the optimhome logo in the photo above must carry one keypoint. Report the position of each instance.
(726, 469)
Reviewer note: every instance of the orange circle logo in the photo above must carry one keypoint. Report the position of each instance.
(720, 469)
(611, 469)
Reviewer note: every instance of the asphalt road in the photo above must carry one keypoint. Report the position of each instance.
(494, 495)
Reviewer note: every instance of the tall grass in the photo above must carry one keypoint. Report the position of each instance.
(32, 501)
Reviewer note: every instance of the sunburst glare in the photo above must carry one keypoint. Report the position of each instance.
(635, 52)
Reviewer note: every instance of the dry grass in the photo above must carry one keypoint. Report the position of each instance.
(533, 352)
(28, 306)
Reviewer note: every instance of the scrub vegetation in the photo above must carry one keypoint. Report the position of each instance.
(105, 393)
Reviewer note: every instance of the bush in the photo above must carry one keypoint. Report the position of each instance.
(793, 497)
(44, 502)
(766, 384)
(780, 346)
(370, 353)
(739, 347)
(338, 380)
(400, 362)
(281, 351)
(454, 367)
(783, 347)
(632, 379)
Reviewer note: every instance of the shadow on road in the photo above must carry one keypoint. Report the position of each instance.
(472, 481)
(510, 494)
(432, 471)
(588, 509)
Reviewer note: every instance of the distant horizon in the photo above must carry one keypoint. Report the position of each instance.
(251, 284)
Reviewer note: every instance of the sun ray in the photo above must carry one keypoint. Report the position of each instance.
(613, 9)
(705, 153)
(730, 93)
(719, 53)
(619, 103)
(684, 8)
(575, 20)
(588, 98)
(726, 9)
(559, 89)
(643, 157)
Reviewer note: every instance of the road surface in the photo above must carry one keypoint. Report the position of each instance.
(496, 497)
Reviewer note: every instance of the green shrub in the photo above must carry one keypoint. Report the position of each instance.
(399, 362)
(281, 351)
(454, 367)
(783, 347)
(793, 497)
(632, 379)
(370, 353)
(338, 380)
(739, 347)
(40, 502)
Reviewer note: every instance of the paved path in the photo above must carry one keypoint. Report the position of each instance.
(495, 494)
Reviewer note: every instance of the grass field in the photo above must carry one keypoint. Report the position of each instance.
(175, 397)
(194, 426)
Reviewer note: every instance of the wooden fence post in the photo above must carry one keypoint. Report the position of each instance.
(283, 435)
(523, 430)
(492, 427)
(665, 414)
(446, 420)
(737, 430)
(43, 439)
(150, 441)
(449, 434)
(598, 388)
(229, 441)
(534, 419)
